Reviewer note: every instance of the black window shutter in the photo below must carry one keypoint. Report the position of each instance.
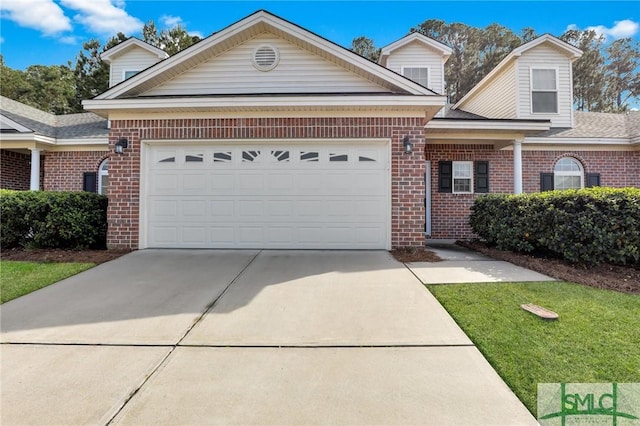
(546, 181)
(445, 176)
(482, 177)
(593, 179)
(90, 182)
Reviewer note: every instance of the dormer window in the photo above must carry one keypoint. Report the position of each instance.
(130, 73)
(418, 74)
(544, 91)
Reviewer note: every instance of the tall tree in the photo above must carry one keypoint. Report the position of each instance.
(171, 40)
(364, 46)
(623, 75)
(588, 71)
(91, 73)
(462, 70)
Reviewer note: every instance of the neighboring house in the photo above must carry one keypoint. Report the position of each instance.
(265, 135)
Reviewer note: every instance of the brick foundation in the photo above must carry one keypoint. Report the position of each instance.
(407, 188)
(450, 212)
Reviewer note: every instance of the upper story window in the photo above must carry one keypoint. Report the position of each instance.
(544, 90)
(130, 73)
(568, 174)
(418, 74)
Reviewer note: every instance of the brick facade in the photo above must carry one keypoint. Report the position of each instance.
(407, 187)
(15, 170)
(450, 212)
(64, 170)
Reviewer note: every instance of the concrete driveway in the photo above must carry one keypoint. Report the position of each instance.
(238, 337)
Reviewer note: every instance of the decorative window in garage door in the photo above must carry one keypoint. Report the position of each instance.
(222, 157)
(338, 156)
(194, 158)
(309, 156)
(251, 156)
(280, 156)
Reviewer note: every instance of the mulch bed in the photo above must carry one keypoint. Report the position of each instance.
(414, 254)
(59, 255)
(625, 279)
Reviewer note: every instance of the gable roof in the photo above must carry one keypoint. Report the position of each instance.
(570, 51)
(119, 49)
(31, 120)
(443, 49)
(247, 28)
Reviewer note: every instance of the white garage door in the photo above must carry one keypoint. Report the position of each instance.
(257, 196)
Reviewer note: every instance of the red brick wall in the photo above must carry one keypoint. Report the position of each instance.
(63, 171)
(15, 170)
(450, 212)
(407, 189)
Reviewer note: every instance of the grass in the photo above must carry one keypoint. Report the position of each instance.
(20, 278)
(595, 339)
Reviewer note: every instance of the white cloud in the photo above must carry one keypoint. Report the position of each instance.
(620, 29)
(103, 17)
(195, 33)
(68, 40)
(41, 15)
(171, 21)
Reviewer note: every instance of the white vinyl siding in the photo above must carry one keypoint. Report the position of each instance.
(545, 57)
(232, 72)
(134, 59)
(498, 98)
(416, 55)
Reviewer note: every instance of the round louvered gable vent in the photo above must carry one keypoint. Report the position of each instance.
(265, 58)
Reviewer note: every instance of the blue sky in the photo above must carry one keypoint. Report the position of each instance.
(52, 31)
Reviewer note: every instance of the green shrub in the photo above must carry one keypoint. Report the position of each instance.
(52, 219)
(582, 226)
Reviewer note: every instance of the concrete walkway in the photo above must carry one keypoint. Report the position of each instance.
(244, 337)
(460, 265)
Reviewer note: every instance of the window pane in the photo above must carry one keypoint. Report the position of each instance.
(128, 74)
(104, 185)
(419, 75)
(566, 182)
(567, 165)
(543, 79)
(544, 101)
(461, 185)
(462, 169)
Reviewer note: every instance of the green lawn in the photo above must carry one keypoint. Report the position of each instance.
(20, 278)
(595, 339)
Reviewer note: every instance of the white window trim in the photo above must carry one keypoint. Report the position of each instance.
(569, 173)
(428, 68)
(101, 173)
(124, 73)
(557, 91)
(453, 177)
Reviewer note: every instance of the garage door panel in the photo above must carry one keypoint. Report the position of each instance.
(303, 196)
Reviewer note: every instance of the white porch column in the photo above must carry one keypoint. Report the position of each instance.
(517, 167)
(35, 169)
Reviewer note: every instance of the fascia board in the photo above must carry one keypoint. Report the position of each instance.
(577, 141)
(250, 101)
(488, 125)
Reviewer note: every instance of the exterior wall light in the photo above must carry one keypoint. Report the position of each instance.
(121, 145)
(408, 146)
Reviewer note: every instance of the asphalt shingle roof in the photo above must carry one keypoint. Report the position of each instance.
(599, 125)
(68, 126)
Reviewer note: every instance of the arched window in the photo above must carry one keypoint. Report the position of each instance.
(568, 174)
(103, 178)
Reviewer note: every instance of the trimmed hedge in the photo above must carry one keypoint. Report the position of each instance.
(52, 219)
(586, 226)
